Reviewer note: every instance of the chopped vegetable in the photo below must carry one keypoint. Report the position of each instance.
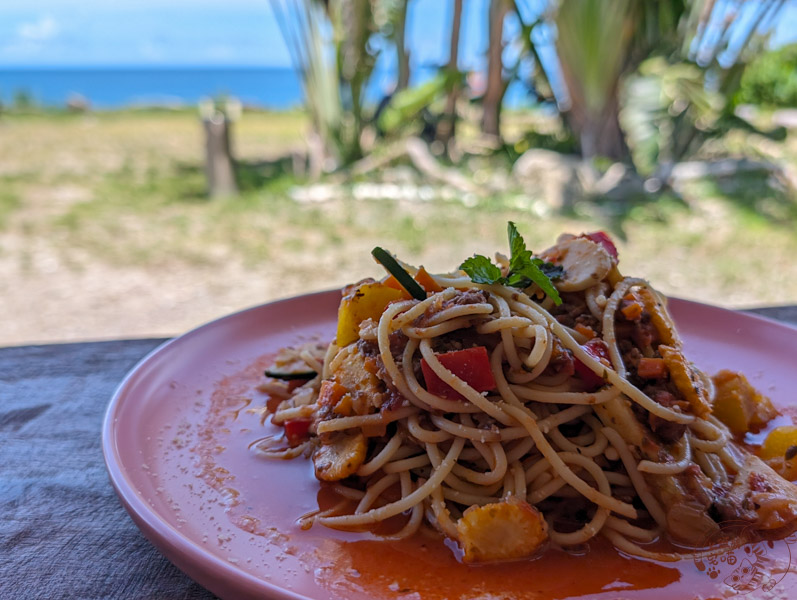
(423, 278)
(426, 281)
(631, 307)
(654, 308)
(779, 442)
(306, 375)
(686, 380)
(598, 350)
(396, 270)
(780, 451)
(368, 301)
(651, 368)
(523, 268)
(471, 365)
(330, 393)
(297, 431)
(738, 404)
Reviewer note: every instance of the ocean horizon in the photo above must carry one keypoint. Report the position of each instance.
(106, 87)
(122, 87)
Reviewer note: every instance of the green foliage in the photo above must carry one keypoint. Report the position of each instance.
(406, 105)
(666, 107)
(592, 43)
(771, 79)
(9, 203)
(23, 100)
(334, 90)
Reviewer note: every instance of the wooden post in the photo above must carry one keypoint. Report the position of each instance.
(219, 167)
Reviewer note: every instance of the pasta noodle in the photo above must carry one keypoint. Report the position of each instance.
(569, 417)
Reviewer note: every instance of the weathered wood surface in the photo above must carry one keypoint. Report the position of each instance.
(63, 532)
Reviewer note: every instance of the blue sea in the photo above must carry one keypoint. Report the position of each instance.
(109, 88)
(121, 87)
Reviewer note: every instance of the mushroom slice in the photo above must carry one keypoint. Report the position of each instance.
(505, 530)
(585, 263)
(340, 458)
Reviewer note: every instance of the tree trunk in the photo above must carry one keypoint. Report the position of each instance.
(494, 94)
(218, 157)
(445, 128)
(592, 44)
(599, 134)
(402, 52)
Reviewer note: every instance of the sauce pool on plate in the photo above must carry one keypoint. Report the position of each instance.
(349, 565)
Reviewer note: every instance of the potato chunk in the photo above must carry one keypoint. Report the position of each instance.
(739, 405)
(501, 531)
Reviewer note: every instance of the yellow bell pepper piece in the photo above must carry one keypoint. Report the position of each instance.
(779, 441)
(780, 451)
(367, 301)
(739, 405)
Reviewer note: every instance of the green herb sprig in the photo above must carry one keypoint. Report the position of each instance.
(523, 268)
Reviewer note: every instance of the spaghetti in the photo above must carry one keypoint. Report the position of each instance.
(509, 421)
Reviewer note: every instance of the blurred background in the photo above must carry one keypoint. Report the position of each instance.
(163, 163)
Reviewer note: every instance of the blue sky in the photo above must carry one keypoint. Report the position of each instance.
(210, 32)
(186, 32)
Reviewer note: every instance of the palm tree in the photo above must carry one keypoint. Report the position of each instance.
(599, 43)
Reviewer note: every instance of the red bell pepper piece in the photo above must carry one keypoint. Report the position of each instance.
(297, 431)
(602, 238)
(471, 365)
(598, 350)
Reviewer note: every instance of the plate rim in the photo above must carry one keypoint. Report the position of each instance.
(177, 547)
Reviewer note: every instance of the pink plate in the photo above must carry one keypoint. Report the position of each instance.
(176, 441)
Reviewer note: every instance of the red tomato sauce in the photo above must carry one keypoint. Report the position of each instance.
(356, 565)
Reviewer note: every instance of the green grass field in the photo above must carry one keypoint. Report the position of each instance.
(106, 231)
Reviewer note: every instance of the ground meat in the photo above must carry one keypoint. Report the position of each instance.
(667, 431)
(460, 299)
(562, 360)
(758, 482)
(694, 482)
(727, 508)
(370, 349)
(465, 338)
(393, 400)
(631, 355)
(573, 311)
(641, 332)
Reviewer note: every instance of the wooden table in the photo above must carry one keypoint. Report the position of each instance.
(63, 532)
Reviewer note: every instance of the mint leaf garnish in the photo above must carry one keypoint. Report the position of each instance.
(481, 270)
(524, 269)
